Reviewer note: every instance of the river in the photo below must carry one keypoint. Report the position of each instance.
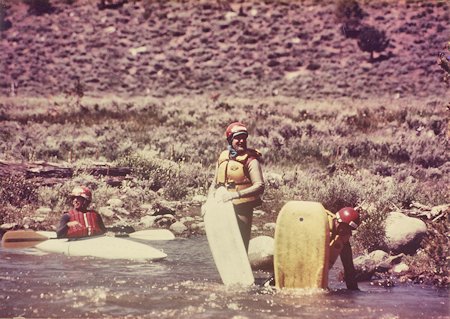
(186, 285)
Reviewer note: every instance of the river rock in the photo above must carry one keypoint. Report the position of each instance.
(258, 213)
(43, 211)
(403, 233)
(147, 209)
(269, 226)
(165, 220)
(400, 268)
(273, 179)
(120, 211)
(115, 202)
(377, 261)
(187, 219)
(178, 227)
(200, 226)
(199, 199)
(366, 265)
(164, 208)
(8, 226)
(106, 211)
(147, 221)
(260, 253)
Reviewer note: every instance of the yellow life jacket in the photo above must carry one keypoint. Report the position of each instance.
(336, 243)
(232, 173)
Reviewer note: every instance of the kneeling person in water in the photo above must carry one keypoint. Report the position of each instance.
(341, 225)
(80, 221)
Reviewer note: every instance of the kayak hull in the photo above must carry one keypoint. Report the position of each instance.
(102, 247)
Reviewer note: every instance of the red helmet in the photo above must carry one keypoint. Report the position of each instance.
(82, 191)
(235, 128)
(349, 216)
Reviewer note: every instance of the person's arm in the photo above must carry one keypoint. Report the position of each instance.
(62, 229)
(349, 268)
(257, 179)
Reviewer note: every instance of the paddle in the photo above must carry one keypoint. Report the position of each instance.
(30, 238)
(22, 239)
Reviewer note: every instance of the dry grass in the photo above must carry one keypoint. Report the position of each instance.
(371, 153)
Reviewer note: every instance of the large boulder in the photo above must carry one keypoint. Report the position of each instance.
(260, 253)
(403, 233)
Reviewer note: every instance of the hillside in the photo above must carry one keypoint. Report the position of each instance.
(245, 48)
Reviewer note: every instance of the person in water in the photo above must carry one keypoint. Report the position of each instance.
(80, 221)
(341, 226)
(239, 171)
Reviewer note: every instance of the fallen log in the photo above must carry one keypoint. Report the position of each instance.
(48, 174)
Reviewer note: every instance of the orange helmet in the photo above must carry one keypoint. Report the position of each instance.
(234, 129)
(82, 191)
(349, 216)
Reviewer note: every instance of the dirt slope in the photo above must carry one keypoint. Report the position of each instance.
(253, 48)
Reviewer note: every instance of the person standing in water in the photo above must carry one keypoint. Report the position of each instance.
(239, 171)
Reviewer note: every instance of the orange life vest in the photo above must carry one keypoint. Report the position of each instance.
(233, 173)
(89, 222)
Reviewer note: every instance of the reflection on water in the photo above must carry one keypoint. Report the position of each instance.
(185, 285)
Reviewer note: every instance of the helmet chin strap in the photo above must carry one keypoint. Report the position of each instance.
(233, 152)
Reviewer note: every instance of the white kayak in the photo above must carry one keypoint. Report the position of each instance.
(101, 247)
(147, 234)
(153, 234)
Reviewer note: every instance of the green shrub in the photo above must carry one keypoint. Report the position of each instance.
(38, 7)
(372, 40)
(371, 234)
(341, 190)
(348, 10)
(17, 191)
(57, 197)
(146, 165)
(5, 24)
(430, 265)
(275, 198)
(14, 215)
(17, 199)
(161, 173)
(350, 14)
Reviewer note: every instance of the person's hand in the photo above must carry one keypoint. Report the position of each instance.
(73, 223)
(229, 196)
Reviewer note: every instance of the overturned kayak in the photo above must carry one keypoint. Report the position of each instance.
(102, 247)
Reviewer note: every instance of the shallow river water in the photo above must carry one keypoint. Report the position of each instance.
(186, 285)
